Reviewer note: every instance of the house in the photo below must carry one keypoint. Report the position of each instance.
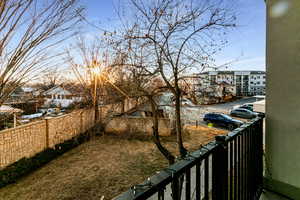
(201, 91)
(60, 96)
(166, 108)
(24, 99)
(137, 119)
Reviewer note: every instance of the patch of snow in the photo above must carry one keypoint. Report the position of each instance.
(24, 121)
(33, 116)
(27, 89)
(9, 109)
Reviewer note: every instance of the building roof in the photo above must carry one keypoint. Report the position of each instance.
(9, 109)
(57, 90)
(232, 72)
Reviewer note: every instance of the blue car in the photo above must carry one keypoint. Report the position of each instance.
(222, 120)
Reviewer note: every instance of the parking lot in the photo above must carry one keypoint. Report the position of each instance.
(222, 108)
(226, 107)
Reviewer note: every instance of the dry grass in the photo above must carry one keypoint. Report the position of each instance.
(105, 166)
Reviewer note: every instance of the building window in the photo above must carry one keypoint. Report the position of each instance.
(258, 83)
(213, 80)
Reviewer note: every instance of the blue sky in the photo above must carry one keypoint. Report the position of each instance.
(246, 47)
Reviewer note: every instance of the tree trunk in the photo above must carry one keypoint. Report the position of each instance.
(167, 154)
(178, 185)
(181, 148)
(123, 105)
(96, 109)
(96, 103)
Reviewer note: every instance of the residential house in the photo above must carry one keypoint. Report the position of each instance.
(24, 98)
(60, 96)
(201, 89)
(166, 108)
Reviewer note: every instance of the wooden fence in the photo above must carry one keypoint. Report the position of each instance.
(30, 139)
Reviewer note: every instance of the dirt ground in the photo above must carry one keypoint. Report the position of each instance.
(105, 166)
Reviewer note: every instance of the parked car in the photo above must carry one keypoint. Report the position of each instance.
(222, 120)
(247, 106)
(243, 113)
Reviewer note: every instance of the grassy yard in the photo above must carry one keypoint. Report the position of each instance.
(105, 166)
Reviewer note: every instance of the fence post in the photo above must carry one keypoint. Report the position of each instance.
(220, 170)
(100, 113)
(47, 133)
(81, 122)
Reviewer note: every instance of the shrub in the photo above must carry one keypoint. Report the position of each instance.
(24, 166)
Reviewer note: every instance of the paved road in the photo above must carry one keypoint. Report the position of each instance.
(228, 106)
(220, 108)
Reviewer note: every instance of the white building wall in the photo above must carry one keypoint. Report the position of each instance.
(256, 81)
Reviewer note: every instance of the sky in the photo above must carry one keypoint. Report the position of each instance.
(246, 43)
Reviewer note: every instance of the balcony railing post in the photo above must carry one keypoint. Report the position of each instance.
(220, 170)
(175, 189)
(259, 142)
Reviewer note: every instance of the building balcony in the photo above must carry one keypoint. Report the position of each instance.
(231, 167)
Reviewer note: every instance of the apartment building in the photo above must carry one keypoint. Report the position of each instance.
(239, 83)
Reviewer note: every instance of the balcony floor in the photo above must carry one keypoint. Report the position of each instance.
(268, 195)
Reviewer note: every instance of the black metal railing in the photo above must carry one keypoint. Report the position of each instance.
(231, 167)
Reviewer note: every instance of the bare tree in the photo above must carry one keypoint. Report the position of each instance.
(89, 62)
(181, 35)
(51, 77)
(131, 79)
(29, 29)
(142, 81)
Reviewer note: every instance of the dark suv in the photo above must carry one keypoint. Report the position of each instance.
(222, 120)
